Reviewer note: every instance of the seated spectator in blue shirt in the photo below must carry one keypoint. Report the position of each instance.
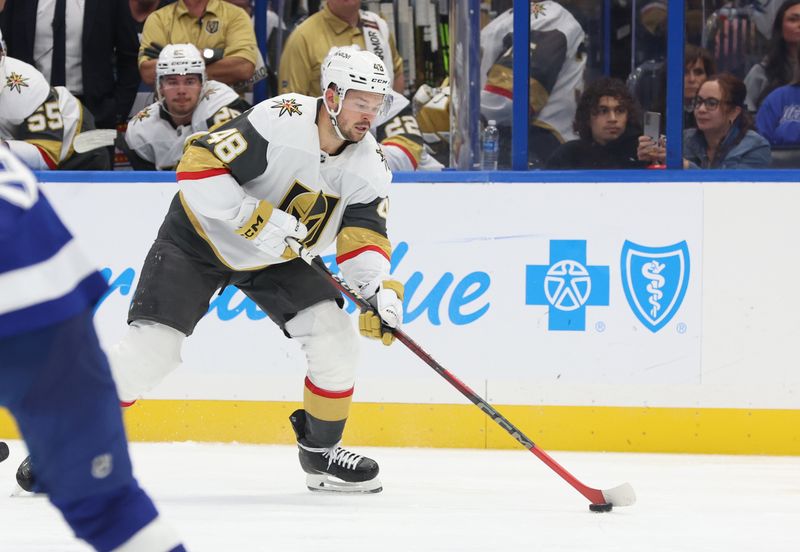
(723, 138)
(607, 122)
(778, 118)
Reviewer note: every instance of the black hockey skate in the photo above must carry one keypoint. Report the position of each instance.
(334, 469)
(25, 477)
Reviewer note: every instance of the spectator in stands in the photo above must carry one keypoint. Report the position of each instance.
(557, 63)
(90, 47)
(221, 31)
(342, 23)
(607, 123)
(141, 9)
(697, 66)
(186, 105)
(778, 118)
(338, 23)
(39, 123)
(246, 5)
(723, 138)
(780, 64)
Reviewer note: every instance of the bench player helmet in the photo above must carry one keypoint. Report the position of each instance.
(179, 59)
(350, 68)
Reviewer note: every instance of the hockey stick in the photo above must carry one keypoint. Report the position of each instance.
(93, 139)
(601, 500)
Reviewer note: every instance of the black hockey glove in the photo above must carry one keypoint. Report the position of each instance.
(153, 50)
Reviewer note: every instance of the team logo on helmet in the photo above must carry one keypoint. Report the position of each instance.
(288, 105)
(537, 9)
(212, 26)
(15, 81)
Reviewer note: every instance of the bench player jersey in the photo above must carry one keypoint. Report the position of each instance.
(38, 122)
(153, 136)
(557, 63)
(272, 152)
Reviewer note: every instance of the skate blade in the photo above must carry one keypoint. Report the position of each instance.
(19, 492)
(322, 483)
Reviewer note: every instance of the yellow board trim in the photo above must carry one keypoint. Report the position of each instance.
(622, 429)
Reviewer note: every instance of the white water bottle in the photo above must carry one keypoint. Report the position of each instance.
(490, 146)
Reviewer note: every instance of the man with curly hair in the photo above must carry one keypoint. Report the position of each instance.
(607, 121)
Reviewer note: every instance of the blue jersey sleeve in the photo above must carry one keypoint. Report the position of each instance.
(44, 277)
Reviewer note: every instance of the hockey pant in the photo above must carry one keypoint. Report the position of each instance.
(149, 351)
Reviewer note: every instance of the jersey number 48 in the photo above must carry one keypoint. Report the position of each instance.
(228, 144)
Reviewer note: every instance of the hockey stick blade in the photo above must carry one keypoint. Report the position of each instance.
(622, 495)
(94, 139)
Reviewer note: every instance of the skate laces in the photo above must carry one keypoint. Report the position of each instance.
(342, 457)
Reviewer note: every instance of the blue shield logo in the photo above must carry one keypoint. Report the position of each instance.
(655, 281)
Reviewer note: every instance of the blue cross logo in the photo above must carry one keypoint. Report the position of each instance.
(567, 284)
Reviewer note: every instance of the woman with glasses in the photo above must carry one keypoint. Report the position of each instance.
(724, 138)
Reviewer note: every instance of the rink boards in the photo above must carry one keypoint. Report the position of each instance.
(636, 316)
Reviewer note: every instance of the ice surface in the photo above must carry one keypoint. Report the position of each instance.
(253, 498)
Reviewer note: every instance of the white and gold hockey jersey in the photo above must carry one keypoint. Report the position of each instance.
(401, 138)
(156, 140)
(557, 63)
(37, 122)
(272, 152)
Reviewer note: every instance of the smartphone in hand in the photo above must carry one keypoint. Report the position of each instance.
(652, 125)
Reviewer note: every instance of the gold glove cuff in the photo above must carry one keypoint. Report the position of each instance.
(257, 220)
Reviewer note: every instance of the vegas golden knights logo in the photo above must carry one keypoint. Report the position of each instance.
(312, 208)
(212, 26)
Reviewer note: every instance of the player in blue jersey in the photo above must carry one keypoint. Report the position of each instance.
(55, 379)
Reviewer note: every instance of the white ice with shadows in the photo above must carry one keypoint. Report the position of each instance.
(245, 497)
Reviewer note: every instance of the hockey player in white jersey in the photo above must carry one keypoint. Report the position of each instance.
(187, 103)
(295, 167)
(557, 63)
(39, 123)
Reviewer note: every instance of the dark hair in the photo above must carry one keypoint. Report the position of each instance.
(692, 53)
(734, 92)
(590, 99)
(778, 66)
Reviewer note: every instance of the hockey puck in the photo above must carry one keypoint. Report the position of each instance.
(604, 507)
(3, 451)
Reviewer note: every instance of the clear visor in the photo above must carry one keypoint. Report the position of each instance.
(369, 103)
(176, 81)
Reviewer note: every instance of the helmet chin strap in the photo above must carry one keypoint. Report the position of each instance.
(334, 120)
